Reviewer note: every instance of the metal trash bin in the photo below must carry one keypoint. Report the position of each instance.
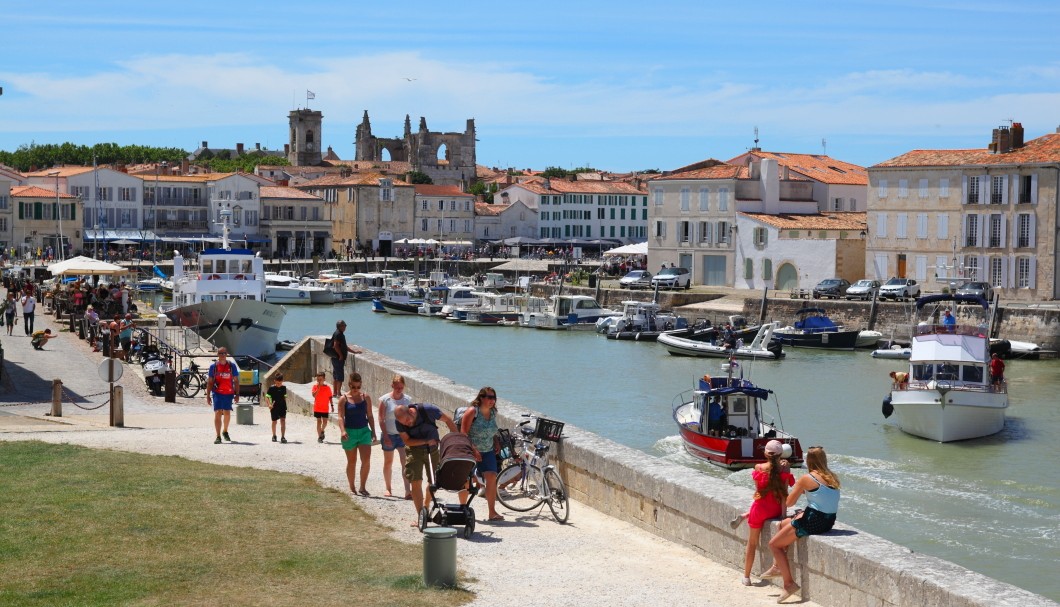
(592, 281)
(245, 415)
(439, 556)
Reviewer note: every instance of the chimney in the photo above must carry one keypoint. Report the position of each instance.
(572, 177)
(184, 166)
(239, 149)
(1017, 135)
(546, 183)
(1000, 141)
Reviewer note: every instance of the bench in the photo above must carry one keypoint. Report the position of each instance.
(800, 294)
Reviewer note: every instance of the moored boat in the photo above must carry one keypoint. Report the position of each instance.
(738, 438)
(640, 321)
(222, 298)
(949, 395)
(813, 329)
(763, 346)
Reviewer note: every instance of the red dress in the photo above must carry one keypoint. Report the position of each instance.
(768, 506)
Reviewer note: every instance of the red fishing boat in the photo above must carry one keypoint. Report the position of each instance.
(735, 435)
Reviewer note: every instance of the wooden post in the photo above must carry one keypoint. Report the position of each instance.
(117, 406)
(765, 305)
(57, 398)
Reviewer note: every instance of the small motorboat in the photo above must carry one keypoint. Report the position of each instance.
(868, 338)
(895, 351)
(640, 321)
(763, 346)
(814, 329)
(739, 440)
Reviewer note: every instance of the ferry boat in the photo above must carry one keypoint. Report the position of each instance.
(740, 440)
(222, 298)
(949, 395)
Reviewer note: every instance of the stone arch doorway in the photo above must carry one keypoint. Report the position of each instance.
(787, 277)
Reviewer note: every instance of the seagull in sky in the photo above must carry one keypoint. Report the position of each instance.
(410, 79)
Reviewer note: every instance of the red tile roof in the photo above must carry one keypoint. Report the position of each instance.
(424, 189)
(817, 167)
(563, 186)
(850, 220)
(64, 171)
(1043, 150)
(33, 191)
(273, 191)
(708, 169)
(484, 208)
(355, 179)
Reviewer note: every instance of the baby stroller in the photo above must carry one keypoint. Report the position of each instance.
(455, 473)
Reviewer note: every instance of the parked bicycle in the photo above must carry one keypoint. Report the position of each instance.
(190, 381)
(531, 480)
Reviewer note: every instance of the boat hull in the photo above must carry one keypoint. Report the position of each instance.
(949, 415)
(411, 308)
(829, 340)
(733, 453)
(245, 327)
(287, 296)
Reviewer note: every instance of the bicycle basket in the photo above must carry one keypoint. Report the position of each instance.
(548, 429)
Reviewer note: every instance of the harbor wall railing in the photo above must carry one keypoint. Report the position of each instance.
(843, 567)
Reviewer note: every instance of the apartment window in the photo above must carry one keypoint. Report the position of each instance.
(3, 202)
(658, 194)
(723, 232)
(995, 231)
(423, 206)
(944, 188)
(997, 271)
(125, 218)
(660, 229)
(922, 191)
(903, 188)
(127, 194)
(1024, 230)
(685, 196)
(723, 199)
(748, 269)
(942, 226)
(971, 265)
(1023, 272)
(3, 224)
(921, 225)
(704, 199)
(881, 188)
(760, 236)
(973, 191)
(467, 225)
(901, 219)
(997, 189)
(837, 204)
(704, 231)
(252, 218)
(1028, 189)
(683, 229)
(971, 231)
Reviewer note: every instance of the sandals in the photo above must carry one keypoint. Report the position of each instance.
(494, 519)
(772, 572)
(788, 592)
(363, 493)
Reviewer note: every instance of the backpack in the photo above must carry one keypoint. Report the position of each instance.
(458, 415)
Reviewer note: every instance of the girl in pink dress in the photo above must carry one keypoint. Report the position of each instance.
(772, 480)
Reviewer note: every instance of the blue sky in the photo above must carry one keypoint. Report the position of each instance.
(615, 85)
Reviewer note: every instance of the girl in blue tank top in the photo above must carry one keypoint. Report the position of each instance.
(479, 422)
(358, 432)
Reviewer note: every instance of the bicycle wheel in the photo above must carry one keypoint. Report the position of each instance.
(188, 385)
(519, 492)
(557, 496)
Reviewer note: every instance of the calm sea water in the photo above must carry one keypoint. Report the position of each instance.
(992, 505)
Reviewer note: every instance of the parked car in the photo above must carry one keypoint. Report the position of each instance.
(900, 288)
(637, 279)
(980, 289)
(831, 287)
(672, 278)
(863, 289)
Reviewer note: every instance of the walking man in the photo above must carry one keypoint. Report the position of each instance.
(29, 304)
(417, 425)
(222, 389)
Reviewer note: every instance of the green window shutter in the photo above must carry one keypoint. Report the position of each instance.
(21, 214)
(38, 210)
(73, 212)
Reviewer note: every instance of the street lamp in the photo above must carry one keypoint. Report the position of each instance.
(154, 230)
(58, 214)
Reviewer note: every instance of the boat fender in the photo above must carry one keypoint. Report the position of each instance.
(888, 408)
(636, 336)
(214, 277)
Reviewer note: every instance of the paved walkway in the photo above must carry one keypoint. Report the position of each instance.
(593, 561)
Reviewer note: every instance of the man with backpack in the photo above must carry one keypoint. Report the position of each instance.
(418, 427)
(337, 349)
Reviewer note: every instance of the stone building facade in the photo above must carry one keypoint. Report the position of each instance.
(448, 158)
(303, 149)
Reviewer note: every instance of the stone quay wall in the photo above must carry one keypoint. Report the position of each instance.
(844, 567)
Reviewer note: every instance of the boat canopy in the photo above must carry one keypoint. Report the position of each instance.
(722, 386)
(816, 323)
(973, 299)
(949, 347)
(228, 252)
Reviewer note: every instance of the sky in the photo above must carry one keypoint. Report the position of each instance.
(617, 85)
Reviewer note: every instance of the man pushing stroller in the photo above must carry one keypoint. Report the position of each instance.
(418, 427)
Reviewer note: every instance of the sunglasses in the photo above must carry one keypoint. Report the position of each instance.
(493, 396)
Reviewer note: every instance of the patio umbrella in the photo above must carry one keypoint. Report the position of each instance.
(82, 265)
(123, 241)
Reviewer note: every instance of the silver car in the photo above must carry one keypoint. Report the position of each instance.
(637, 279)
(863, 289)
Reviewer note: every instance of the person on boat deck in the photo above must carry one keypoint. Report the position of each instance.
(716, 417)
(997, 370)
(901, 379)
(949, 323)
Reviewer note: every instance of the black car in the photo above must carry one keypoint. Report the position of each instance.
(978, 289)
(831, 287)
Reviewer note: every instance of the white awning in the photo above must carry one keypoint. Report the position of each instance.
(640, 248)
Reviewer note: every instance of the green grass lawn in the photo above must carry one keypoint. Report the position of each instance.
(92, 527)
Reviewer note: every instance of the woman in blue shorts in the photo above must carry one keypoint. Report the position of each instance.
(479, 422)
(390, 438)
(358, 431)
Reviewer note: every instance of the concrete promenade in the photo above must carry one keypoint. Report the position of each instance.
(595, 560)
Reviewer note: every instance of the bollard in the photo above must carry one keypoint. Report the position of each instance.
(171, 386)
(439, 556)
(81, 329)
(245, 415)
(117, 407)
(57, 398)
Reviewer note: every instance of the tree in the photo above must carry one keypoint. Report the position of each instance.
(418, 177)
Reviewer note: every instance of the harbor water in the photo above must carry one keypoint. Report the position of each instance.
(991, 505)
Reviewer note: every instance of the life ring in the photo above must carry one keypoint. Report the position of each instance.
(214, 277)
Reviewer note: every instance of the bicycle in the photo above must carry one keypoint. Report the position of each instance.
(190, 381)
(531, 480)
